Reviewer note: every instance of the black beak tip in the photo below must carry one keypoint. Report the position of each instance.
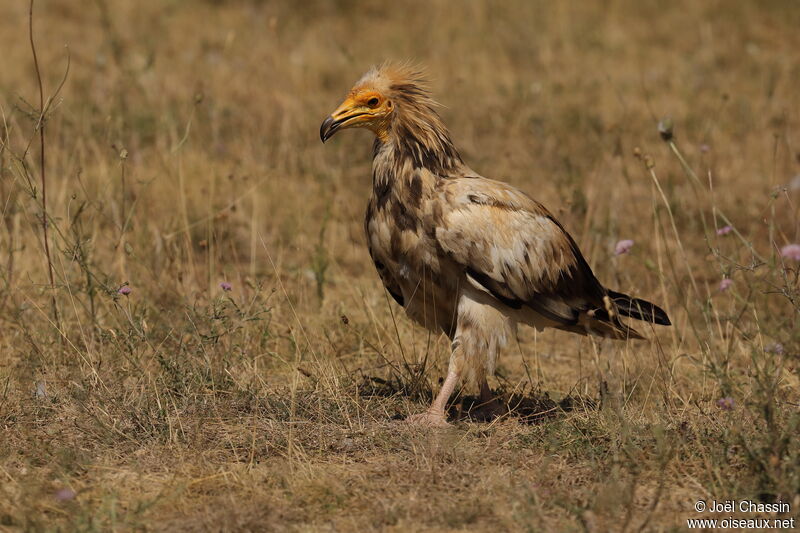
(327, 129)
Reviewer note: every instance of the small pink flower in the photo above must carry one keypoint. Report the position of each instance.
(775, 347)
(623, 247)
(704, 148)
(64, 495)
(726, 404)
(225, 286)
(124, 290)
(725, 284)
(724, 230)
(791, 251)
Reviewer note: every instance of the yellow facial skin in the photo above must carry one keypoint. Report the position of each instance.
(362, 109)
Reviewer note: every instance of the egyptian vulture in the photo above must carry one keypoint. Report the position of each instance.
(463, 254)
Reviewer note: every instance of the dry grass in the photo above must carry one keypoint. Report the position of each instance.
(183, 152)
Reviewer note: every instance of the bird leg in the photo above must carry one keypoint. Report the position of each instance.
(488, 407)
(486, 392)
(435, 416)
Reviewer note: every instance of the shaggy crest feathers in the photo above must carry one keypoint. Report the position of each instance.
(415, 127)
(394, 76)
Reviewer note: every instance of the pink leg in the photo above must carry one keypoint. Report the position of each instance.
(435, 416)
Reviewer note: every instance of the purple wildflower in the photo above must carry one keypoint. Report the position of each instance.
(724, 230)
(704, 148)
(124, 290)
(791, 251)
(726, 404)
(725, 284)
(775, 347)
(226, 286)
(64, 495)
(623, 247)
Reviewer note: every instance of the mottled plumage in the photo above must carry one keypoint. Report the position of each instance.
(463, 254)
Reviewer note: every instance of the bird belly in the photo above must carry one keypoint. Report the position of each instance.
(429, 302)
(424, 283)
(428, 297)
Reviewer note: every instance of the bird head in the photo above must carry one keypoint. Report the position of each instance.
(373, 100)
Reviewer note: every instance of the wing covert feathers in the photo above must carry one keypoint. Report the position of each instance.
(515, 249)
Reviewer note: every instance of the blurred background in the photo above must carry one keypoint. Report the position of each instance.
(208, 260)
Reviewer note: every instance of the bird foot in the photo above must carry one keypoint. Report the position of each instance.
(430, 418)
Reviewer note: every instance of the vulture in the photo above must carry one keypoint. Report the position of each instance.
(466, 255)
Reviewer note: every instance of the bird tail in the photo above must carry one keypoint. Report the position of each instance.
(598, 323)
(639, 309)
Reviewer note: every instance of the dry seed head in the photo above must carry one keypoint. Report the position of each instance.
(665, 129)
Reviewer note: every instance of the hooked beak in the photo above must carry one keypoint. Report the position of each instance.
(343, 118)
(328, 128)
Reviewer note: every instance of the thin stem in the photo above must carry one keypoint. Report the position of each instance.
(674, 228)
(40, 127)
(123, 156)
(704, 192)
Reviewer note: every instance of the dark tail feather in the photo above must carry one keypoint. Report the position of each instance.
(639, 309)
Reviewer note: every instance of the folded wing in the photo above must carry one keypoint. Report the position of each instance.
(514, 248)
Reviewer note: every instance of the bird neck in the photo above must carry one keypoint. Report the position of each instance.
(420, 138)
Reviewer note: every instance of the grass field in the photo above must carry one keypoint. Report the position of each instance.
(182, 152)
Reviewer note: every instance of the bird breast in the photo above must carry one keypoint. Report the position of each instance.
(400, 227)
(397, 237)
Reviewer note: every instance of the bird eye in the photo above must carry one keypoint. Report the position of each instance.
(373, 102)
